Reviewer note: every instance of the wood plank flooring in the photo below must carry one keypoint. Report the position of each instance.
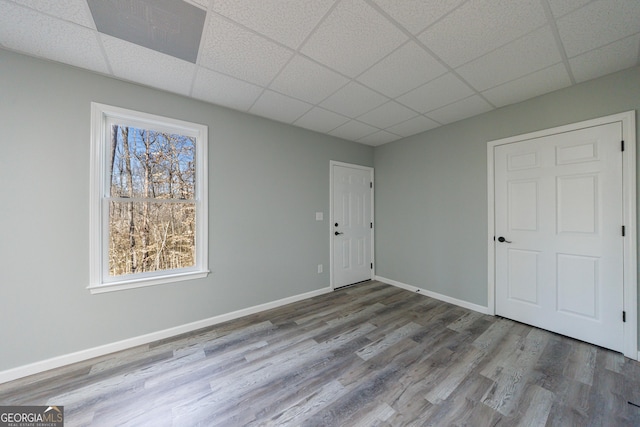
(369, 355)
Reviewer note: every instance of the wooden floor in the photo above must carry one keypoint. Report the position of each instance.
(369, 355)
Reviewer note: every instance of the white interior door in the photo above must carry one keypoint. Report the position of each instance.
(558, 223)
(351, 224)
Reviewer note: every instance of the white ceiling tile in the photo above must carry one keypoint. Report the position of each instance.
(353, 100)
(295, 80)
(413, 126)
(495, 46)
(462, 109)
(441, 91)
(353, 38)
(562, 7)
(598, 24)
(26, 30)
(416, 15)
(70, 10)
(131, 62)
(353, 130)
(608, 59)
(287, 21)
(388, 114)
(232, 50)
(217, 88)
(279, 107)
(480, 26)
(532, 52)
(405, 69)
(538, 83)
(378, 138)
(321, 120)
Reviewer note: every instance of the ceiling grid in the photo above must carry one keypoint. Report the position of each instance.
(371, 71)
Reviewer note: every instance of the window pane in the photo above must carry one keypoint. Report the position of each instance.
(145, 236)
(150, 164)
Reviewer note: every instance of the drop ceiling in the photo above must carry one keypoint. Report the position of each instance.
(371, 71)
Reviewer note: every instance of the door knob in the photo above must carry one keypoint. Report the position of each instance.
(337, 233)
(503, 240)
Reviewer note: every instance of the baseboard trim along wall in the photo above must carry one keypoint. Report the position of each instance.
(82, 355)
(435, 295)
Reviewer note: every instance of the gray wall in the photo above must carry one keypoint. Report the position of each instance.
(266, 181)
(431, 189)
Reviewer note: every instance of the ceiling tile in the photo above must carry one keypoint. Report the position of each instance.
(287, 21)
(437, 93)
(203, 4)
(562, 7)
(461, 110)
(353, 38)
(413, 126)
(532, 52)
(378, 138)
(607, 59)
(353, 100)
(405, 69)
(167, 26)
(26, 30)
(279, 107)
(538, 83)
(131, 62)
(415, 15)
(598, 24)
(350, 68)
(480, 26)
(353, 130)
(321, 120)
(76, 11)
(232, 50)
(219, 89)
(388, 114)
(294, 80)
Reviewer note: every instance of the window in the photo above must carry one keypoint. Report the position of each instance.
(148, 199)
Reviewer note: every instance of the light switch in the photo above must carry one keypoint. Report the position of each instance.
(319, 216)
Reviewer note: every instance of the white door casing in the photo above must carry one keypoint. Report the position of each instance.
(352, 211)
(561, 198)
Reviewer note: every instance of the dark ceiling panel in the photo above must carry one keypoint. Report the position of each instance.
(173, 27)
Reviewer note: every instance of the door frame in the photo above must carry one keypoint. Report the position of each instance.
(333, 163)
(630, 285)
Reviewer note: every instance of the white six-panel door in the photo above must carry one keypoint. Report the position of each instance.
(351, 227)
(558, 226)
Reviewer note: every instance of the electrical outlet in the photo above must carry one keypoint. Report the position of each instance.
(319, 268)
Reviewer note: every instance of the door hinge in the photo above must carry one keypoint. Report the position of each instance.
(372, 266)
(623, 230)
(624, 316)
(370, 184)
(370, 225)
(622, 145)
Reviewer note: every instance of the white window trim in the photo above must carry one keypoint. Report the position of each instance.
(98, 234)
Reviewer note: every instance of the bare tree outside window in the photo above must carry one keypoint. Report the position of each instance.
(149, 200)
(152, 223)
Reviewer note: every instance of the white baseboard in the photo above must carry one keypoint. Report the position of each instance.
(435, 295)
(82, 355)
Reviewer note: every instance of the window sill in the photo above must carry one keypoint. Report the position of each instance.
(144, 282)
